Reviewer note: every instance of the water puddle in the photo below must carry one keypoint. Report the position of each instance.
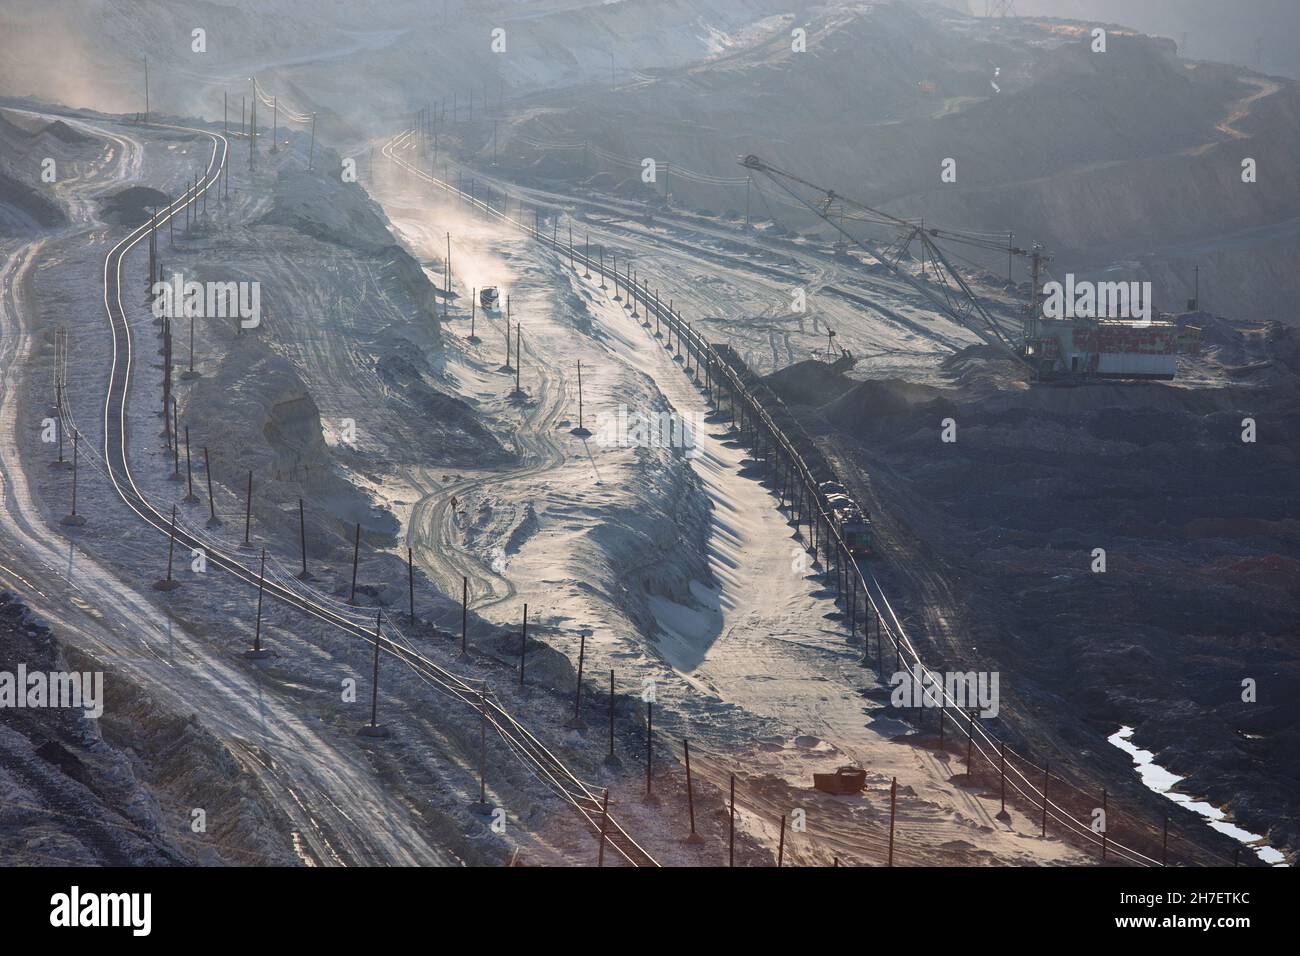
(1157, 778)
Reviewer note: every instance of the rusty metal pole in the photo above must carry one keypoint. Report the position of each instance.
(690, 789)
(580, 427)
(302, 540)
(780, 847)
(374, 684)
(970, 740)
(213, 520)
(72, 519)
(731, 826)
(76, 435)
(1002, 772)
(649, 750)
(893, 805)
(169, 583)
(482, 751)
(1047, 777)
(464, 615)
(257, 653)
(604, 820)
(610, 759)
(190, 498)
(1104, 826)
(523, 647)
(248, 513)
(410, 582)
(356, 556)
(577, 696)
(176, 446)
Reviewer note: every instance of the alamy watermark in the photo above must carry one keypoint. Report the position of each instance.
(1098, 300)
(73, 690)
(208, 300)
(964, 690)
(625, 428)
(74, 908)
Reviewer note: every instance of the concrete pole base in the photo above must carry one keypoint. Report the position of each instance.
(190, 500)
(378, 731)
(613, 763)
(481, 807)
(305, 576)
(247, 546)
(580, 432)
(694, 840)
(189, 375)
(212, 523)
(255, 655)
(166, 584)
(575, 723)
(73, 521)
(61, 465)
(650, 800)
(175, 476)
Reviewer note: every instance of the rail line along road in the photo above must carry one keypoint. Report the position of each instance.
(522, 743)
(864, 599)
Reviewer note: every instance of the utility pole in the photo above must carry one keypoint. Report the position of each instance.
(580, 430)
(252, 134)
(374, 728)
(146, 89)
(311, 156)
(1031, 318)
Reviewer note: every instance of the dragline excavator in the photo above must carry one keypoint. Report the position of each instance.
(1052, 347)
(950, 292)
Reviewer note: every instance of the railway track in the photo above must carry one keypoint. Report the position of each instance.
(545, 764)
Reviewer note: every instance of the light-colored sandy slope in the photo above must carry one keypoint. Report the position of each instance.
(751, 667)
